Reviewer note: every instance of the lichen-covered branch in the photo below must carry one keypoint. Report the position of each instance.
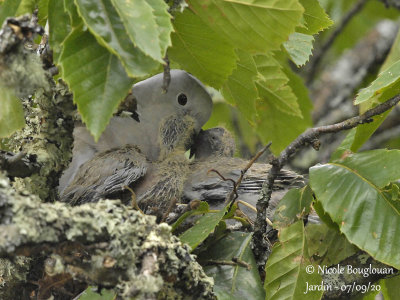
(105, 244)
(18, 165)
(47, 135)
(349, 284)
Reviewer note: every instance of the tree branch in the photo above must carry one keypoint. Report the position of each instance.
(105, 244)
(347, 285)
(309, 137)
(18, 165)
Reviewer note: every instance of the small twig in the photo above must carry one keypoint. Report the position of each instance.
(234, 262)
(220, 262)
(133, 197)
(306, 138)
(248, 205)
(269, 222)
(167, 75)
(231, 197)
(226, 179)
(241, 263)
(316, 59)
(171, 206)
(241, 217)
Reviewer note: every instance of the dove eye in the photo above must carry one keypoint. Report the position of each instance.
(182, 99)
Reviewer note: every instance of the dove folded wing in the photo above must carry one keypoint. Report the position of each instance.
(106, 174)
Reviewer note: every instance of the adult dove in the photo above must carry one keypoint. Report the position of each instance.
(186, 96)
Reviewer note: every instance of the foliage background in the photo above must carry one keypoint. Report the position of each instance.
(254, 57)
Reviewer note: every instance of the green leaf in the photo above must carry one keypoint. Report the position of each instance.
(324, 216)
(14, 8)
(345, 145)
(104, 23)
(96, 77)
(315, 17)
(89, 294)
(240, 89)
(70, 8)
(233, 282)
(43, 11)
(394, 54)
(371, 295)
(390, 288)
(254, 26)
(272, 86)
(59, 27)
(202, 228)
(191, 49)
(326, 245)
(201, 209)
(299, 46)
(11, 113)
(293, 206)
(164, 25)
(286, 275)
(140, 23)
(365, 131)
(385, 80)
(353, 192)
(279, 127)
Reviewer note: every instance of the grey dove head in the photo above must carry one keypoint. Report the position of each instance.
(185, 95)
(215, 141)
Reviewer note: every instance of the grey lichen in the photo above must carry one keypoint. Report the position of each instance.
(13, 275)
(48, 108)
(104, 243)
(48, 136)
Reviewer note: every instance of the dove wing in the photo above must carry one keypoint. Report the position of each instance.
(106, 173)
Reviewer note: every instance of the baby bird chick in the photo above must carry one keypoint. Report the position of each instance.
(157, 185)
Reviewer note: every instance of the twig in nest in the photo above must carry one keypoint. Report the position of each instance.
(226, 179)
(133, 197)
(248, 166)
(248, 205)
(171, 206)
(233, 195)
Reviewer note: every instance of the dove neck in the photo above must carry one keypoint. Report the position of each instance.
(176, 135)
